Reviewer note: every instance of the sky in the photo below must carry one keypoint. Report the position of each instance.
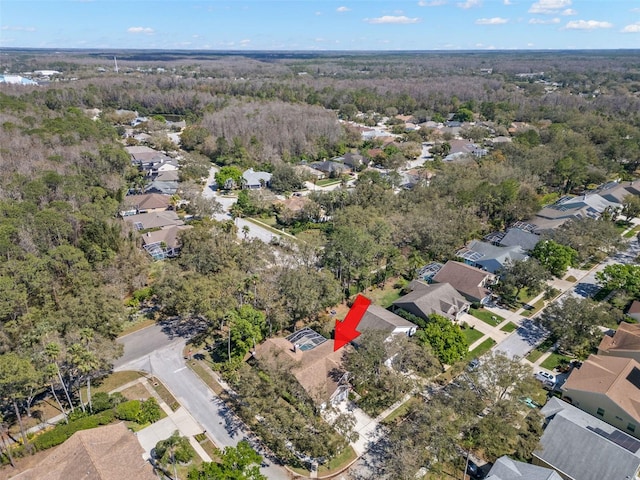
(321, 24)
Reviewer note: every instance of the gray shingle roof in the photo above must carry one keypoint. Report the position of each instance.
(377, 318)
(507, 469)
(570, 444)
(516, 237)
(440, 298)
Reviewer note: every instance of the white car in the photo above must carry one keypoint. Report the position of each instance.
(545, 377)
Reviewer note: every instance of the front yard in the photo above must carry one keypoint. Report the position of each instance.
(486, 316)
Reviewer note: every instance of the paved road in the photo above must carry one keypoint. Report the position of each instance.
(522, 340)
(255, 231)
(167, 363)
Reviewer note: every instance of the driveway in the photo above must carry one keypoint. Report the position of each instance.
(526, 337)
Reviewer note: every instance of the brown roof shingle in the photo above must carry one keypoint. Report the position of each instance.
(625, 340)
(464, 278)
(110, 452)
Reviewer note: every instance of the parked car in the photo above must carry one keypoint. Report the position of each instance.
(473, 364)
(474, 471)
(545, 377)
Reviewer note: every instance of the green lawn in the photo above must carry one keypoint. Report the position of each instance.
(509, 327)
(534, 355)
(554, 360)
(338, 463)
(486, 316)
(472, 335)
(536, 307)
(325, 182)
(400, 411)
(481, 349)
(634, 231)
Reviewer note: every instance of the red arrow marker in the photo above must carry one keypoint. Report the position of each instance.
(346, 330)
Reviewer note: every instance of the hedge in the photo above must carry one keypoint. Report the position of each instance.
(62, 431)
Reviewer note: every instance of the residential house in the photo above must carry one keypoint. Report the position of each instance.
(609, 388)
(490, 257)
(164, 243)
(110, 452)
(146, 221)
(354, 160)
(518, 237)
(314, 364)
(145, 203)
(167, 176)
(582, 206)
(472, 283)
(307, 171)
(625, 342)
(580, 446)
(252, 180)
(617, 191)
(505, 468)
(377, 318)
(330, 168)
(427, 299)
(162, 187)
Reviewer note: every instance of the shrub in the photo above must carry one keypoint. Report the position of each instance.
(117, 398)
(100, 402)
(62, 431)
(129, 410)
(175, 446)
(149, 411)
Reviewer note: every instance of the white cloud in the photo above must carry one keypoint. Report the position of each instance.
(542, 21)
(633, 28)
(343, 9)
(491, 21)
(245, 41)
(507, 2)
(549, 6)
(17, 28)
(469, 4)
(587, 25)
(569, 11)
(147, 30)
(402, 20)
(432, 3)
(635, 10)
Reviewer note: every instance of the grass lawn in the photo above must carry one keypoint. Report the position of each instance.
(383, 296)
(401, 411)
(325, 182)
(554, 360)
(204, 372)
(571, 278)
(165, 394)
(486, 316)
(266, 226)
(534, 355)
(509, 327)
(536, 308)
(138, 324)
(631, 233)
(338, 463)
(113, 381)
(472, 335)
(481, 349)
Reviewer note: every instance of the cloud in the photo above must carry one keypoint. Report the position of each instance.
(401, 20)
(469, 4)
(343, 9)
(491, 21)
(146, 30)
(569, 11)
(432, 3)
(587, 25)
(542, 21)
(633, 28)
(245, 41)
(507, 2)
(549, 6)
(17, 28)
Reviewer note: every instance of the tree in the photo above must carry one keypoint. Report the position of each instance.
(554, 257)
(285, 178)
(175, 449)
(529, 274)
(573, 324)
(17, 377)
(589, 237)
(445, 338)
(631, 206)
(236, 463)
(619, 276)
(229, 177)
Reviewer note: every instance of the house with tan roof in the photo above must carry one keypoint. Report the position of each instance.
(145, 203)
(111, 452)
(471, 282)
(437, 298)
(314, 364)
(146, 221)
(625, 342)
(608, 388)
(164, 243)
(634, 310)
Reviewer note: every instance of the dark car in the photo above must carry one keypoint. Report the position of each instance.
(473, 364)
(474, 471)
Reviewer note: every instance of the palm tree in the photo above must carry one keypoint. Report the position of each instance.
(52, 350)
